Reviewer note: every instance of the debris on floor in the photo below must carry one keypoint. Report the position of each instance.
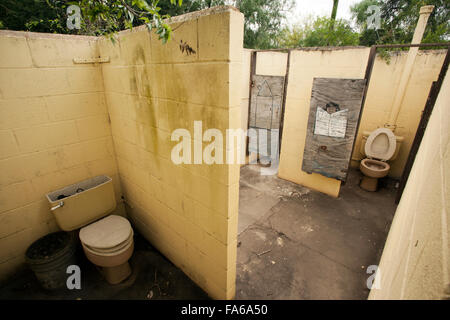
(154, 277)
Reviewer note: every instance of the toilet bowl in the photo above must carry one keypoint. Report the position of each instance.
(108, 243)
(107, 240)
(379, 148)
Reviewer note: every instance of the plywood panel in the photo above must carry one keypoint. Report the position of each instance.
(265, 113)
(266, 101)
(333, 117)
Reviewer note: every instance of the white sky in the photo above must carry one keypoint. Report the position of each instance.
(305, 8)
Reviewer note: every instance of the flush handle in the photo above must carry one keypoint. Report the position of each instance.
(59, 205)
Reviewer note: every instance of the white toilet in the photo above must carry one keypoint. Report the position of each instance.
(108, 243)
(107, 240)
(379, 148)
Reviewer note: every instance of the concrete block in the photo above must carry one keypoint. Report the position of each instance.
(57, 180)
(210, 193)
(106, 166)
(186, 79)
(14, 52)
(93, 127)
(8, 144)
(17, 83)
(215, 38)
(85, 79)
(216, 225)
(12, 171)
(17, 113)
(108, 48)
(46, 136)
(24, 217)
(271, 63)
(135, 46)
(60, 52)
(75, 106)
(124, 129)
(184, 33)
(16, 195)
(43, 162)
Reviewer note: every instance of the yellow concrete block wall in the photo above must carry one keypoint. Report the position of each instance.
(54, 131)
(380, 97)
(305, 65)
(189, 212)
(415, 261)
(271, 63)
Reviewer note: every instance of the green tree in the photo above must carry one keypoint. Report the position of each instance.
(319, 33)
(263, 21)
(263, 18)
(32, 15)
(399, 19)
(97, 17)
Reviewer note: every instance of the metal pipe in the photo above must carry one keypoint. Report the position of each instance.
(425, 12)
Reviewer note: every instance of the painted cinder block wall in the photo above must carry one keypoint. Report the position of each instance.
(188, 211)
(415, 261)
(54, 131)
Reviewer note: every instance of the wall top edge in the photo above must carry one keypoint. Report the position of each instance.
(175, 19)
(43, 35)
(420, 52)
(187, 17)
(330, 48)
(286, 50)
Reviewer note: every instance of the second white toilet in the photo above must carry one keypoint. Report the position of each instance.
(379, 148)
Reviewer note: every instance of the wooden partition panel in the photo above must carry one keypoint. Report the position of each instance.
(332, 122)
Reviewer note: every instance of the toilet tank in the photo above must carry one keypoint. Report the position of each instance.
(366, 134)
(82, 203)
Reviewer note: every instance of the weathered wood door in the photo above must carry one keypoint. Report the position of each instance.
(332, 124)
(265, 110)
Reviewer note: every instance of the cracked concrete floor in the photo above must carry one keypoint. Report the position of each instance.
(295, 243)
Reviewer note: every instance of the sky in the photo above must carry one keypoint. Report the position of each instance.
(305, 8)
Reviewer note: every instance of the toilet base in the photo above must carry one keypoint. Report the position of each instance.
(369, 184)
(117, 274)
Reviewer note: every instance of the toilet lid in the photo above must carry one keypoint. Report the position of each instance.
(380, 144)
(106, 233)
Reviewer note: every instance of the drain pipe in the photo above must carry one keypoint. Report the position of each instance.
(425, 12)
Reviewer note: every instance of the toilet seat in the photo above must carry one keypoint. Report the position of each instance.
(110, 251)
(109, 236)
(380, 144)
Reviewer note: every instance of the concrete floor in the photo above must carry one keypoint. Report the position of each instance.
(295, 243)
(154, 277)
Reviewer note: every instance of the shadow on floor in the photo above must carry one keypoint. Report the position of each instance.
(295, 243)
(154, 277)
